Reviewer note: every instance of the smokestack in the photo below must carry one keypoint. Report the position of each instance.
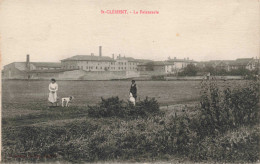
(113, 56)
(28, 61)
(119, 56)
(100, 51)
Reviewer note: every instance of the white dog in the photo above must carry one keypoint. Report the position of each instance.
(67, 100)
(131, 98)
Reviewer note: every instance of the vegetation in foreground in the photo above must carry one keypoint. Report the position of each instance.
(224, 128)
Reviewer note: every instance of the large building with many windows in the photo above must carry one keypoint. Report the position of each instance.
(100, 63)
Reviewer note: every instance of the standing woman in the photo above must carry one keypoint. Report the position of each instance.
(53, 88)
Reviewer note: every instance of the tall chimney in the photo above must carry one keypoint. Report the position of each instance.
(119, 56)
(28, 61)
(113, 56)
(100, 51)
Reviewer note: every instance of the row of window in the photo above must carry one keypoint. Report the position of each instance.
(44, 68)
(111, 63)
(93, 62)
(96, 67)
(124, 63)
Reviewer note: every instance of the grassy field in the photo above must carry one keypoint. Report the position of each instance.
(90, 92)
(28, 123)
(27, 100)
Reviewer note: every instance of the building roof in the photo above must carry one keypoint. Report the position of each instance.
(48, 71)
(241, 62)
(143, 60)
(126, 58)
(88, 58)
(130, 59)
(22, 65)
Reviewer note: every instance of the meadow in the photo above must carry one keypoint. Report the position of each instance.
(90, 92)
(168, 126)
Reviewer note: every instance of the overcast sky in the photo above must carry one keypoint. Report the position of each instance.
(51, 30)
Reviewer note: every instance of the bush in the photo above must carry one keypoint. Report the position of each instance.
(113, 107)
(240, 145)
(223, 107)
(158, 77)
(190, 70)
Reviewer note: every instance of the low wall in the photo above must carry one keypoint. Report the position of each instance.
(151, 73)
(204, 77)
(97, 75)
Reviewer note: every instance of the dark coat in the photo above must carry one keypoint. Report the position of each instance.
(133, 90)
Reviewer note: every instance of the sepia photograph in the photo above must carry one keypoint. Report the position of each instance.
(140, 81)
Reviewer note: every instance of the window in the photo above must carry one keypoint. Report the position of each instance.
(96, 67)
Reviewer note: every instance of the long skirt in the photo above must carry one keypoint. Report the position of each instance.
(52, 97)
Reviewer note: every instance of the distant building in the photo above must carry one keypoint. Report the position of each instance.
(27, 69)
(126, 64)
(246, 63)
(157, 67)
(181, 63)
(100, 63)
(228, 65)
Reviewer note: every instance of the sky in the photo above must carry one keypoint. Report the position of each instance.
(51, 30)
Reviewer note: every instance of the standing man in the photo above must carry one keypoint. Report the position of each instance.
(133, 89)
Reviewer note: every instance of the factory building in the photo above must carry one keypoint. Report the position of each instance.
(29, 70)
(99, 63)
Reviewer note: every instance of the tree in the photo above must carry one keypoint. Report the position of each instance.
(190, 70)
(149, 66)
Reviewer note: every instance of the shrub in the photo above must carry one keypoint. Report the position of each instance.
(114, 107)
(190, 70)
(224, 107)
(158, 77)
(108, 108)
(240, 145)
